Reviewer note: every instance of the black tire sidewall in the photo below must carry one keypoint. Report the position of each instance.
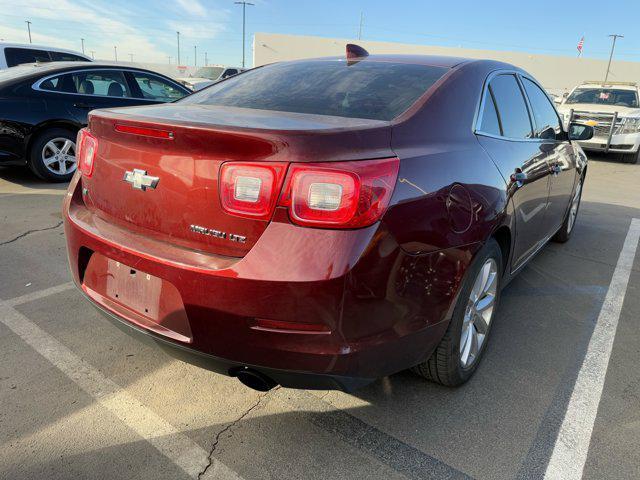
(490, 249)
(34, 160)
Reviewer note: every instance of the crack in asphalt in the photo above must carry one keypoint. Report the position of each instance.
(229, 426)
(29, 232)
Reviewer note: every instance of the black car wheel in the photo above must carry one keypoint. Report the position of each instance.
(459, 352)
(566, 229)
(53, 155)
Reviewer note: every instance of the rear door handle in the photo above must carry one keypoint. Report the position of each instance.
(84, 106)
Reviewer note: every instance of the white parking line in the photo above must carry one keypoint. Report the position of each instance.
(173, 444)
(30, 297)
(572, 444)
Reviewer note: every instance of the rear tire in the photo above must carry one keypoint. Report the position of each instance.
(564, 234)
(52, 156)
(452, 362)
(632, 158)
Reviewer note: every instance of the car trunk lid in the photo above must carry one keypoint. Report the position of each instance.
(184, 208)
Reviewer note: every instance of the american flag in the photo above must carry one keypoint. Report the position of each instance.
(580, 44)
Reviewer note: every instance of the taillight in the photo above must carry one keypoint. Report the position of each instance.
(339, 194)
(251, 189)
(87, 148)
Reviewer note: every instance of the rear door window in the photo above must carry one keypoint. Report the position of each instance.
(512, 108)
(547, 121)
(104, 83)
(366, 89)
(18, 56)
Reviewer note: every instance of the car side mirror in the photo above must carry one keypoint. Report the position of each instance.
(577, 131)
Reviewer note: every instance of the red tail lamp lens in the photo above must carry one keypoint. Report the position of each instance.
(251, 189)
(340, 194)
(145, 131)
(87, 151)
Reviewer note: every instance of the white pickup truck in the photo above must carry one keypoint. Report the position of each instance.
(613, 110)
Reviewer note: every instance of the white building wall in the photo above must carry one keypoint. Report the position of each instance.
(556, 73)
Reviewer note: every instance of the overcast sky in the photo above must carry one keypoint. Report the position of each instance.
(147, 29)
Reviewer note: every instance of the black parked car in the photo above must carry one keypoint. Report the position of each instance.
(42, 107)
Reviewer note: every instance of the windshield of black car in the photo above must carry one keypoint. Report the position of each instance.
(365, 89)
(211, 73)
(604, 96)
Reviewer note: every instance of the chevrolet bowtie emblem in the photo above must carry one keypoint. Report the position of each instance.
(140, 180)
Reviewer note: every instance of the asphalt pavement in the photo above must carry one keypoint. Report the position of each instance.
(81, 399)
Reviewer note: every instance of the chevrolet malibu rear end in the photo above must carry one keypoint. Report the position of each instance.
(308, 224)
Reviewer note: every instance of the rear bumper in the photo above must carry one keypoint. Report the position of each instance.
(359, 284)
(286, 378)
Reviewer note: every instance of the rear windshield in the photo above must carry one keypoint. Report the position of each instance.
(366, 89)
(604, 96)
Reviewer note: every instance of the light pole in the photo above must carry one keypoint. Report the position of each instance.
(195, 56)
(131, 56)
(29, 29)
(169, 57)
(244, 17)
(178, 33)
(115, 52)
(361, 22)
(93, 54)
(82, 41)
(206, 61)
(613, 46)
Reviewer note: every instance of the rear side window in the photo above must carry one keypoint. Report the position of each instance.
(511, 106)
(18, 56)
(366, 89)
(490, 122)
(547, 121)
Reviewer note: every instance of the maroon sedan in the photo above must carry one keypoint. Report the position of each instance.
(323, 223)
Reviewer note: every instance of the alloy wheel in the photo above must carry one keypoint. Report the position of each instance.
(479, 313)
(59, 156)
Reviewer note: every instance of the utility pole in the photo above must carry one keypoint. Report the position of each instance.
(115, 52)
(93, 54)
(361, 22)
(613, 46)
(206, 61)
(82, 41)
(244, 17)
(195, 56)
(131, 56)
(178, 33)
(29, 29)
